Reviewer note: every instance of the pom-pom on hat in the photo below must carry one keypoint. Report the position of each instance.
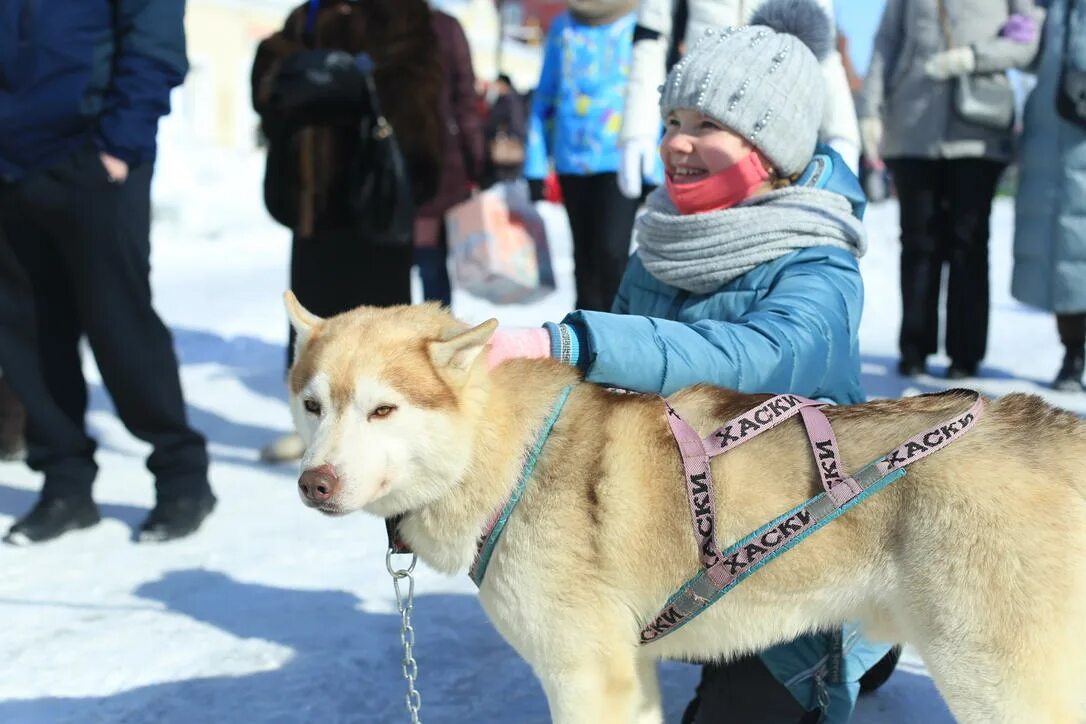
(761, 80)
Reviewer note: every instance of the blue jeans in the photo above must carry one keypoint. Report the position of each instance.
(434, 275)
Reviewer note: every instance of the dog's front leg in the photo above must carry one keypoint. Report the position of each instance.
(650, 709)
(597, 689)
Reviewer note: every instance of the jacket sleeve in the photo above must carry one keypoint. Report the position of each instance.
(996, 54)
(791, 340)
(648, 71)
(544, 106)
(884, 56)
(461, 78)
(149, 61)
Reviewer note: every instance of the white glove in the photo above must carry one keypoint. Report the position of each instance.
(871, 137)
(951, 63)
(637, 159)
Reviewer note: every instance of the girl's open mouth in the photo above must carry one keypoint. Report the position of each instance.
(682, 175)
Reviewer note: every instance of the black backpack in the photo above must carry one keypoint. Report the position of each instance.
(333, 89)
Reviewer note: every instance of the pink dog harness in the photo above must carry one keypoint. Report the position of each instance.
(722, 571)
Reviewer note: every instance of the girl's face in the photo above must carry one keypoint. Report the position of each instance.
(697, 146)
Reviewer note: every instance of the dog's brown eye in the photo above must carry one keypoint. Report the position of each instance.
(312, 407)
(382, 411)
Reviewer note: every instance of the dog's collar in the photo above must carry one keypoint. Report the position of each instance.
(488, 539)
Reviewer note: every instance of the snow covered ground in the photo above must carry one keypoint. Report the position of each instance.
(274, 613)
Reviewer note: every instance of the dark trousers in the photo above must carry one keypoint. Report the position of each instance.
(334, 271)
(1072, 329)
(744, 691)
(434, 273)
(945, 205)
(601, 220)
(75, 262)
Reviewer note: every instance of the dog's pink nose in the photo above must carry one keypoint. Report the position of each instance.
(318, 484)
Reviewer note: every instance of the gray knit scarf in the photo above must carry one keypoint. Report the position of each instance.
(702, 252)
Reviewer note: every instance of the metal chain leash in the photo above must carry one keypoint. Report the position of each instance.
(412, 700)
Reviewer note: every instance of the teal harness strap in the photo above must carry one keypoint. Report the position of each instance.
(490, 539)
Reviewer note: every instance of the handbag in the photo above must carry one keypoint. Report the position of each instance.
(983, 99)
(1071, 94)
(382, 198)
(498, 247)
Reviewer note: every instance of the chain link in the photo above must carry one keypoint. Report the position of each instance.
(412, 699)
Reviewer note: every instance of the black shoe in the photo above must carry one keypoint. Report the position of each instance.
(911, 367)
(52, 517)
(1069, 378)
(176, 517)
(958, 371)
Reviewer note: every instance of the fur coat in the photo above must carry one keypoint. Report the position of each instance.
(398, 35)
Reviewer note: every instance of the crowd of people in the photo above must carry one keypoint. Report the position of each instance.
(726, 135)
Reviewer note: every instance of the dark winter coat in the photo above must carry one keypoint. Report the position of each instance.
(398, 36)
(463, 157)
(81, 72)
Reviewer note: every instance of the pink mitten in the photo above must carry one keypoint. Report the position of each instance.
(512, 342)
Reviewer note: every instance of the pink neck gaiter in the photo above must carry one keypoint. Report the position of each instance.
(722, 190)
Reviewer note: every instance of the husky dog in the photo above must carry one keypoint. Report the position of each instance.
(977, 556)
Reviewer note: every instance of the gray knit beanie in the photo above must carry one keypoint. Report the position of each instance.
(761, 80)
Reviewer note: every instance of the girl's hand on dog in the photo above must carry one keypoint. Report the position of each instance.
(513, 342)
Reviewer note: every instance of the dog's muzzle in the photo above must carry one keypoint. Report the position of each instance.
(318, 485)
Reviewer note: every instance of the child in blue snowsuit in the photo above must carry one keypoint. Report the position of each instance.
(745, 276)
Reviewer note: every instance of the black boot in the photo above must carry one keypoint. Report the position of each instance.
(176, 517)
(52, 517)
(1069, 378)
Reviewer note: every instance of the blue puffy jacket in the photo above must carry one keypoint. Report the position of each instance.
(789, 325)
(80, 72)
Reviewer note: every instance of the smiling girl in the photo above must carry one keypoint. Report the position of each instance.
(745, 276)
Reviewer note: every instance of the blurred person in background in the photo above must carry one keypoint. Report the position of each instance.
(311, 121)
(575, 119)
(945, 166)
(505, 132)
(665, 27)
(1050, 231)
(462, 162)
(82, 86)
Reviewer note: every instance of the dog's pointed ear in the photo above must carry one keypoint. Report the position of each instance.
(460, 351)
(303, 320)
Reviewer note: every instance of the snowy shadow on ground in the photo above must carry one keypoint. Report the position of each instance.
(879, 379)
(17, 501)
(345, 667)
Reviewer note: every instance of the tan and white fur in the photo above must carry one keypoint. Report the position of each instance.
(977, 557)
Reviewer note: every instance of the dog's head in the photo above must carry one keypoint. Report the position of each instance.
(387, 401)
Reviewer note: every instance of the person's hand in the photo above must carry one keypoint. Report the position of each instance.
(637, 158)
(116, 169)
(951, 63)
(1019, 28)
(871, 139)
(518, 342)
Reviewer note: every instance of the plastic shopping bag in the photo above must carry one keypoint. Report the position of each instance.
(498, 246)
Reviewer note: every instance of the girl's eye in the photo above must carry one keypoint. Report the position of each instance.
(709, 125)
(312, 407)
(672, 122)
(382, 411)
